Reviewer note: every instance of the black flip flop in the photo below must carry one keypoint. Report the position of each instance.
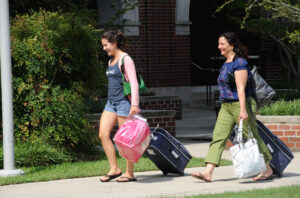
(110, 177)
(128, 179)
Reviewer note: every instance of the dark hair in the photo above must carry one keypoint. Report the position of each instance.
(118, 37)
(239, 49)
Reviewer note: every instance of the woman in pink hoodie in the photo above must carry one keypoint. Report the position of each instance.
(118, 106)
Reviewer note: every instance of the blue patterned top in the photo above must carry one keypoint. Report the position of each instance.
(230, 94)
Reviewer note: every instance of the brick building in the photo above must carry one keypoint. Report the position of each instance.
(174, 44)
(158, 32)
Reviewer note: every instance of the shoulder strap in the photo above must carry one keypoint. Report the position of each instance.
(123, 72)
(109, 62)
(122, 64)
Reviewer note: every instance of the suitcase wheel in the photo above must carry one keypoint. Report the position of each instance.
(165, 173)
(181, 173)
(277, 172)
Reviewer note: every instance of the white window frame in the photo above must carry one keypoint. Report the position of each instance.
(182, 20)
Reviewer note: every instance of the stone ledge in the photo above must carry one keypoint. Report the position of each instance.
(279, 119)
(149, 98)
(165, 119)
(160, 113)
(144, 113)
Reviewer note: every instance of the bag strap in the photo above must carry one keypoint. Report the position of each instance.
(138, 76)
(240, 130)
(122, 68)
(239, 137)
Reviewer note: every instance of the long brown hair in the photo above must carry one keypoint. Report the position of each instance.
(118, 37)
(239, 49)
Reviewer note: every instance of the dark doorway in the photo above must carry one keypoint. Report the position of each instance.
(205, 29)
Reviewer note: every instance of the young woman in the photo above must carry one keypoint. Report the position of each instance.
(235, 105)
(118, 107)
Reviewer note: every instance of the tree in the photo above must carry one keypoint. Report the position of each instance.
(279, 20)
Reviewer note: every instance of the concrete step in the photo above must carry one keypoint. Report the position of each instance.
(197, 122)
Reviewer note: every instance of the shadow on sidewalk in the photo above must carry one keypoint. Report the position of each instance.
(158, 178)
(273, 177)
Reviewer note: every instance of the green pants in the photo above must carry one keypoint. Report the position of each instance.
(227, 119)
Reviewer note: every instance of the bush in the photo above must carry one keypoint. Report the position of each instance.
(282, 108)
(55, 64)
(53, 115)
(58, 49)
(38, 154)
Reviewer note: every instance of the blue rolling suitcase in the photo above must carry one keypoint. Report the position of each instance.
(281, 154)
(166, 152)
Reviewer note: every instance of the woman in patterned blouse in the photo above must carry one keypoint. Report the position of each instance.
(237, 102)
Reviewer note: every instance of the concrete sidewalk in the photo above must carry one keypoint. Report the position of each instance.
(153, 183)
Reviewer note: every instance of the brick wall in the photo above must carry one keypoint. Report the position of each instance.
(287, 128)
(161, 56)
(164, 118)
(162, 103)
(288, 133)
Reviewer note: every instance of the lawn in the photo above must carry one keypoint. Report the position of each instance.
(86, 169)
(292, 191)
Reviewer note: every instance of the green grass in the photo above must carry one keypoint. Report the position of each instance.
(282, 108)
(292, 191)
(85, 169)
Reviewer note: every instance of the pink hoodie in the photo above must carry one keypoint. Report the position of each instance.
(130, 75)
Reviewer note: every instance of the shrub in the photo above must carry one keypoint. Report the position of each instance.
(38, 154)
(55, 64)
(53, 115)
(56, 48)
(282, 108)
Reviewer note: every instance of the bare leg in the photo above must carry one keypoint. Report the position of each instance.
(107, 122)
(130, 165)
(264, 175)
(206, 174)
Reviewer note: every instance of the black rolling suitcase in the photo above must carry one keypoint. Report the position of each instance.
(281, 154)
(167, 153)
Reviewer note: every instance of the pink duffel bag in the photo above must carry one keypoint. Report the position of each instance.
(132, 138)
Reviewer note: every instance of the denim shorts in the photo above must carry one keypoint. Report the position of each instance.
(121, 108)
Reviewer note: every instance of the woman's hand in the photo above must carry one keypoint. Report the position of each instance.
(134, 110)
(243, 115)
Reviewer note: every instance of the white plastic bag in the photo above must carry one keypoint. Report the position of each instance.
(246, 158)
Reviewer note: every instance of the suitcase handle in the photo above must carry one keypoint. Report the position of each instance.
(139, 117)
